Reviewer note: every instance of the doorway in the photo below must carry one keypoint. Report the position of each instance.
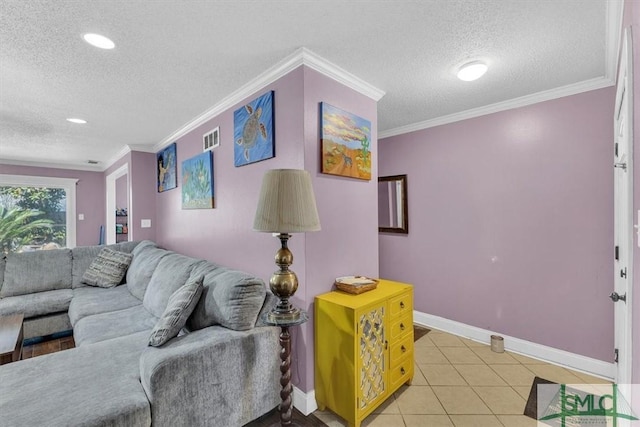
(115, 196)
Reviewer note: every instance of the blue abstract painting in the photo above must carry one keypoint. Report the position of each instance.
(167, 168)
(197, 182)
(253, 131)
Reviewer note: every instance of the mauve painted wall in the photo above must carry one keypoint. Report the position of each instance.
(347, 243)
(511, 219)
(224, 234)
(122, 195)
(90, 199)
(631, 18)
(143, 176)
(142, 185)
(348, 208)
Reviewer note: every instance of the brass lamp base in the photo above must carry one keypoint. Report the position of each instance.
(278, 318)
(284, 284)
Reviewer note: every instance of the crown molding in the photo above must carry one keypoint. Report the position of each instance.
(300, 57)
(126, 150)
(573, 89)
(120, 154)
(48, 165)
(615, 12)
(615, 9)
(142, 148)
(331, 70)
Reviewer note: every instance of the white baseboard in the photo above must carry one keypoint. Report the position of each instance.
(526, 348)
(304, 402)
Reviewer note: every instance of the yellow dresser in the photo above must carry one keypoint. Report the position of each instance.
(363, 348)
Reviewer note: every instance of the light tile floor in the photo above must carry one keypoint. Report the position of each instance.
(459, 382)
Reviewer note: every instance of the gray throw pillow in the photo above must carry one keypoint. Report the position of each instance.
(179, 308)
(107, 269)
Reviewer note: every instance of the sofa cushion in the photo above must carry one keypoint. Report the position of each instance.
(107, 269)
(172, 272)
(84, 255)
(229, 298)
(90, 300)
(179, 308)
(146, 257)
(269, 303)
(37, 304)
(127, 247)
(49, 324)
(95, 385)
(114, 324)
(39, 271)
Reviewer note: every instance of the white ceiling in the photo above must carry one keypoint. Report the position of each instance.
(174, 60)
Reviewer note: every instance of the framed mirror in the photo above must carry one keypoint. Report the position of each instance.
(393, 215)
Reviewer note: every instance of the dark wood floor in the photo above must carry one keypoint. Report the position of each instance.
(273, 419)
(48, 346)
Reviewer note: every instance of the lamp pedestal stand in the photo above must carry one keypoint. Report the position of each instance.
(286, 406)
(284, 284)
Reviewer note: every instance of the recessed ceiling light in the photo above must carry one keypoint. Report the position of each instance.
(99, 41)
(75, 120)
(472, 71)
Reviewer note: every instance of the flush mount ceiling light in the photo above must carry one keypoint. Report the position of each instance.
(77, 121)
(472, 71)
(98, 41)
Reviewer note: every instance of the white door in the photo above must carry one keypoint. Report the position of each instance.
(623, 213)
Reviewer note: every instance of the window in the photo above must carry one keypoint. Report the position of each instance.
(36, 213)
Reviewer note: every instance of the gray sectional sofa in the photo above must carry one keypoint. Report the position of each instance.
(221, 370)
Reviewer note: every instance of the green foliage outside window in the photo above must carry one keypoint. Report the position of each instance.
(32, 216)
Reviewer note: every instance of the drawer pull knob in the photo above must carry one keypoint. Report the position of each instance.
(402, 371)
(403, 349)
(402, 326)
(401, 304)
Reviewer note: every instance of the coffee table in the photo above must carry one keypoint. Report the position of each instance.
(11, 335)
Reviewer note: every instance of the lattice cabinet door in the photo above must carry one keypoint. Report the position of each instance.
(372, 358)
(363, 348)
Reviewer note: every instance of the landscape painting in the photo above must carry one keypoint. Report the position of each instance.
(167, 168)
(253, 131)
(197, 182)
(346, 139)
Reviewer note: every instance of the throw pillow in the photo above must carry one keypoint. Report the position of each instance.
(179, 308)
(107, 269)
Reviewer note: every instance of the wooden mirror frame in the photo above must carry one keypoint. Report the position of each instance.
(403, 203)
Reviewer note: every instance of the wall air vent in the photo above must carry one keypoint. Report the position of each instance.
(211, 139)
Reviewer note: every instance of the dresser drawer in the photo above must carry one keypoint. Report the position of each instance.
(401, 349)
(401, 304)
(401, 326)
(401, 373)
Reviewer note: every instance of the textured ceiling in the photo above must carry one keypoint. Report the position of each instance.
(175, 59)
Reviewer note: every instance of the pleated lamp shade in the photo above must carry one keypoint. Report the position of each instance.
(287, 203)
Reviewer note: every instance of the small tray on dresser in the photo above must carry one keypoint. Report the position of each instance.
(355, 284)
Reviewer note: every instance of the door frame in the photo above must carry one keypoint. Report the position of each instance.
(625, 86)
(110, 232)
